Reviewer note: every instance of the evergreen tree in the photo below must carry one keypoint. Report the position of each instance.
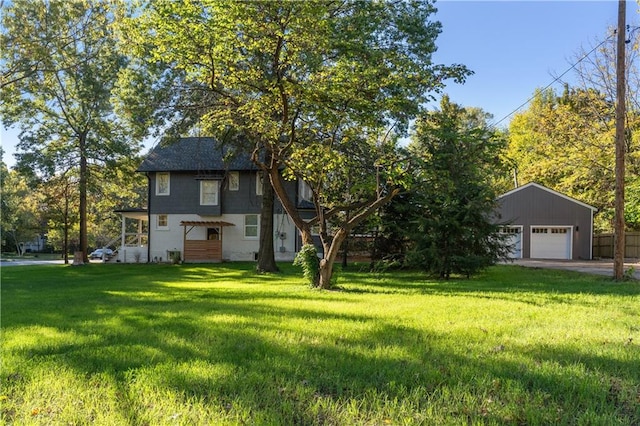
(454, 230)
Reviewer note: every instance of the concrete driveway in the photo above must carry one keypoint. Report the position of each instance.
(22, 262)
(599, 267)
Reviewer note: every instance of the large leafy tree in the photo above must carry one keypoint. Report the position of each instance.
(61, 202)
(60, 65)
(566, 143)
(310, 84)
(453, 228)
(21, 216)
(566, 140)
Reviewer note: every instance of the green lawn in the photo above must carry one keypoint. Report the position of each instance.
(161, 344)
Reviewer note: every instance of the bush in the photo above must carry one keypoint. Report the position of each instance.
(307, 258)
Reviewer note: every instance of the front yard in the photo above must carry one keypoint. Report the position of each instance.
(166, 344)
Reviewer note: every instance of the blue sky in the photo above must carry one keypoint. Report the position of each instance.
(513, 47)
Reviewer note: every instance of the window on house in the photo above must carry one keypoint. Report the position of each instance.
(163, 183)
(251, 226)
(304, 191)
(259, 178)
(209, 192)
(213, 234)
(234, 181)
(163, 221)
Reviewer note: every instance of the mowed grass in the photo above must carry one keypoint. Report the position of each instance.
(215, 345)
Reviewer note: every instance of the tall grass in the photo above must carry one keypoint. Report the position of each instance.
(166, 344)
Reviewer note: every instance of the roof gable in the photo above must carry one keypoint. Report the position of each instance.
(549, 190)
(194, 154)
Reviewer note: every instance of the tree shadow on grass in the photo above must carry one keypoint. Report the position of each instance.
(242, 356)
(498, 279)
(284, 381)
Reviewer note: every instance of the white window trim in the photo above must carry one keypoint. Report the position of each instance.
(217, 193)
(259, 177)
(304, 191)
(168, 191)
(257, 226)
(160, 227)
(234, 181)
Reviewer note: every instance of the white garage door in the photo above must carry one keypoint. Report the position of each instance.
(550, 242)
(513, 240)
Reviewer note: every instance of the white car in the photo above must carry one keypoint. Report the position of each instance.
(101, 253)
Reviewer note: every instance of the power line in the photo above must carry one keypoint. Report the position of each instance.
(555, 80)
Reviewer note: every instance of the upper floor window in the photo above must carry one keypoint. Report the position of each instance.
(209, 192)
(233, 181)
(304, 191)
(163, 183)
(259, 179)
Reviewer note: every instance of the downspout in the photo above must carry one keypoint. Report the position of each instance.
(148, 217)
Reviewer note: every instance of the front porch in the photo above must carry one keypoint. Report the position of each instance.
(133, 245)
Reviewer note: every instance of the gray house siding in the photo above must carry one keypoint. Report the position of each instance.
(189, 161)
(535, 206)
(184, 196)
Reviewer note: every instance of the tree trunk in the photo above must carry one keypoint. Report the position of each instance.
(84, 171)
(18, 249)
(266, 254)
(326, 264)
(65, 244)
(345, 252)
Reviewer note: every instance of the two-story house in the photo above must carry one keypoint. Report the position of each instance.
(204, 205)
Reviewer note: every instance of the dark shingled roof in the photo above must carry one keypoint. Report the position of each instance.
(193, 154)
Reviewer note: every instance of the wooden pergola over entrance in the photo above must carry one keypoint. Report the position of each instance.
(209, 249)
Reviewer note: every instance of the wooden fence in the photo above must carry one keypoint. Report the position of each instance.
(202, 250)
(603, 245)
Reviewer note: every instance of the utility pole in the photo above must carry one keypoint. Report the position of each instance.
(618, 255)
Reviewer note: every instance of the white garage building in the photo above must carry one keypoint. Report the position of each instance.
(545, 224)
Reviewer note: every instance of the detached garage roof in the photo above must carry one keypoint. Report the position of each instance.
(551, 191)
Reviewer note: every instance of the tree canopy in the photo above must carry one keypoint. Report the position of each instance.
(60, 65)
(566, 140)
(453, 227)
(313, 84)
